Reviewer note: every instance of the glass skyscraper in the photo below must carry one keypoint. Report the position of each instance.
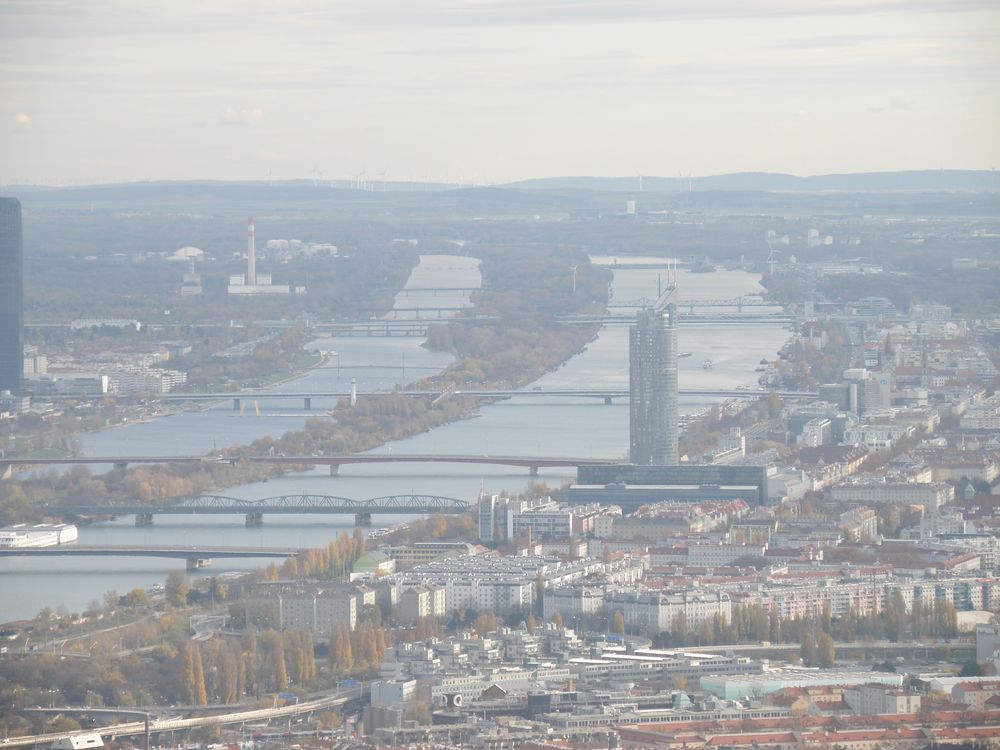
(653, 419)
(11, 297)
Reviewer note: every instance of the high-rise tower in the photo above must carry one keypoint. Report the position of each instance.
(11, 297)
(653, 419)
(251, 256)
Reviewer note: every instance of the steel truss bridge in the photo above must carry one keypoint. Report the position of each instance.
(254, 510)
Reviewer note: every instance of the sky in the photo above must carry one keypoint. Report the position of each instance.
(490, 91)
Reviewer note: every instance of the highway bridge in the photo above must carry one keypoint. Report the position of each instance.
(421, 319)
(196, 557)
(690, 304)
(685, 319)
(608, 395)
(533, 463)
(254, 510)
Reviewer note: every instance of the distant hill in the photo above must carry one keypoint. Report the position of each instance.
(862, 182)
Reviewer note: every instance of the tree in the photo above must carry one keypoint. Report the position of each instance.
(970, 669)
(808, 650)
(485, 623)
(557, 620)
(192, 676)
(826, 651)
(137, 599)
(618, 626)
(177, 589)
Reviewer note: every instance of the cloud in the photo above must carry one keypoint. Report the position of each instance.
(22, 119)
(242, 116)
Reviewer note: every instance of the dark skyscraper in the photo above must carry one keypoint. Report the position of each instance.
(652, 350)
(11, 297)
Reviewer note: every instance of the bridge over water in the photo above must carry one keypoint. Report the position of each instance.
(608, 395)
(254, 510)
(195, 557)
(420, 320)
(532, 463)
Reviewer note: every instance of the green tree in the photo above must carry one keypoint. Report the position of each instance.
(808, 651)
(826, 651)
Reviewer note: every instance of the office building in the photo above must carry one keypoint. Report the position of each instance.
(11, 297)
(653, 419)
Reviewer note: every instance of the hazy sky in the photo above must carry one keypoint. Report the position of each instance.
(493, 90)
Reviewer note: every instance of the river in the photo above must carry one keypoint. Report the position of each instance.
(556, 426)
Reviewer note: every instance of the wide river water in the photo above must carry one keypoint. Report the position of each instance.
(555, 426)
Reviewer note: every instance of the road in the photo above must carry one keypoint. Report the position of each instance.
(166, 725)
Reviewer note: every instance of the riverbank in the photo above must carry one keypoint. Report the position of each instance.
(518, 342)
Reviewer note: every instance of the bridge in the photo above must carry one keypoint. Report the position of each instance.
(685, 319)
(434, 291)
(690, 304)
(196, 557)
(422, 318)
(532, 463)
(607, 394)
(254, 510)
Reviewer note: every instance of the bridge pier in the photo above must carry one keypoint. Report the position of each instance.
(607, 400)
(143, 519)
(334, 470)
(255, 519)
(121, 465)
(197, 563)
(362, 519)
(307, 403)
(236, 404)
(532, 471)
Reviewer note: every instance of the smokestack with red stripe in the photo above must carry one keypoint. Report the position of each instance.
(251, 256)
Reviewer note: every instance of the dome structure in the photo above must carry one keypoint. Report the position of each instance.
(188, 253)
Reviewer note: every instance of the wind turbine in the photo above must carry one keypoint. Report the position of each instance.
(573, 269)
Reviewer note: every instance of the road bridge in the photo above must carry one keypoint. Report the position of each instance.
(120, 462)
(606, 394)
(195, 557)
(690, 304)
(532, 463)
(254, 510)
(685, 319)
(433, 291)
